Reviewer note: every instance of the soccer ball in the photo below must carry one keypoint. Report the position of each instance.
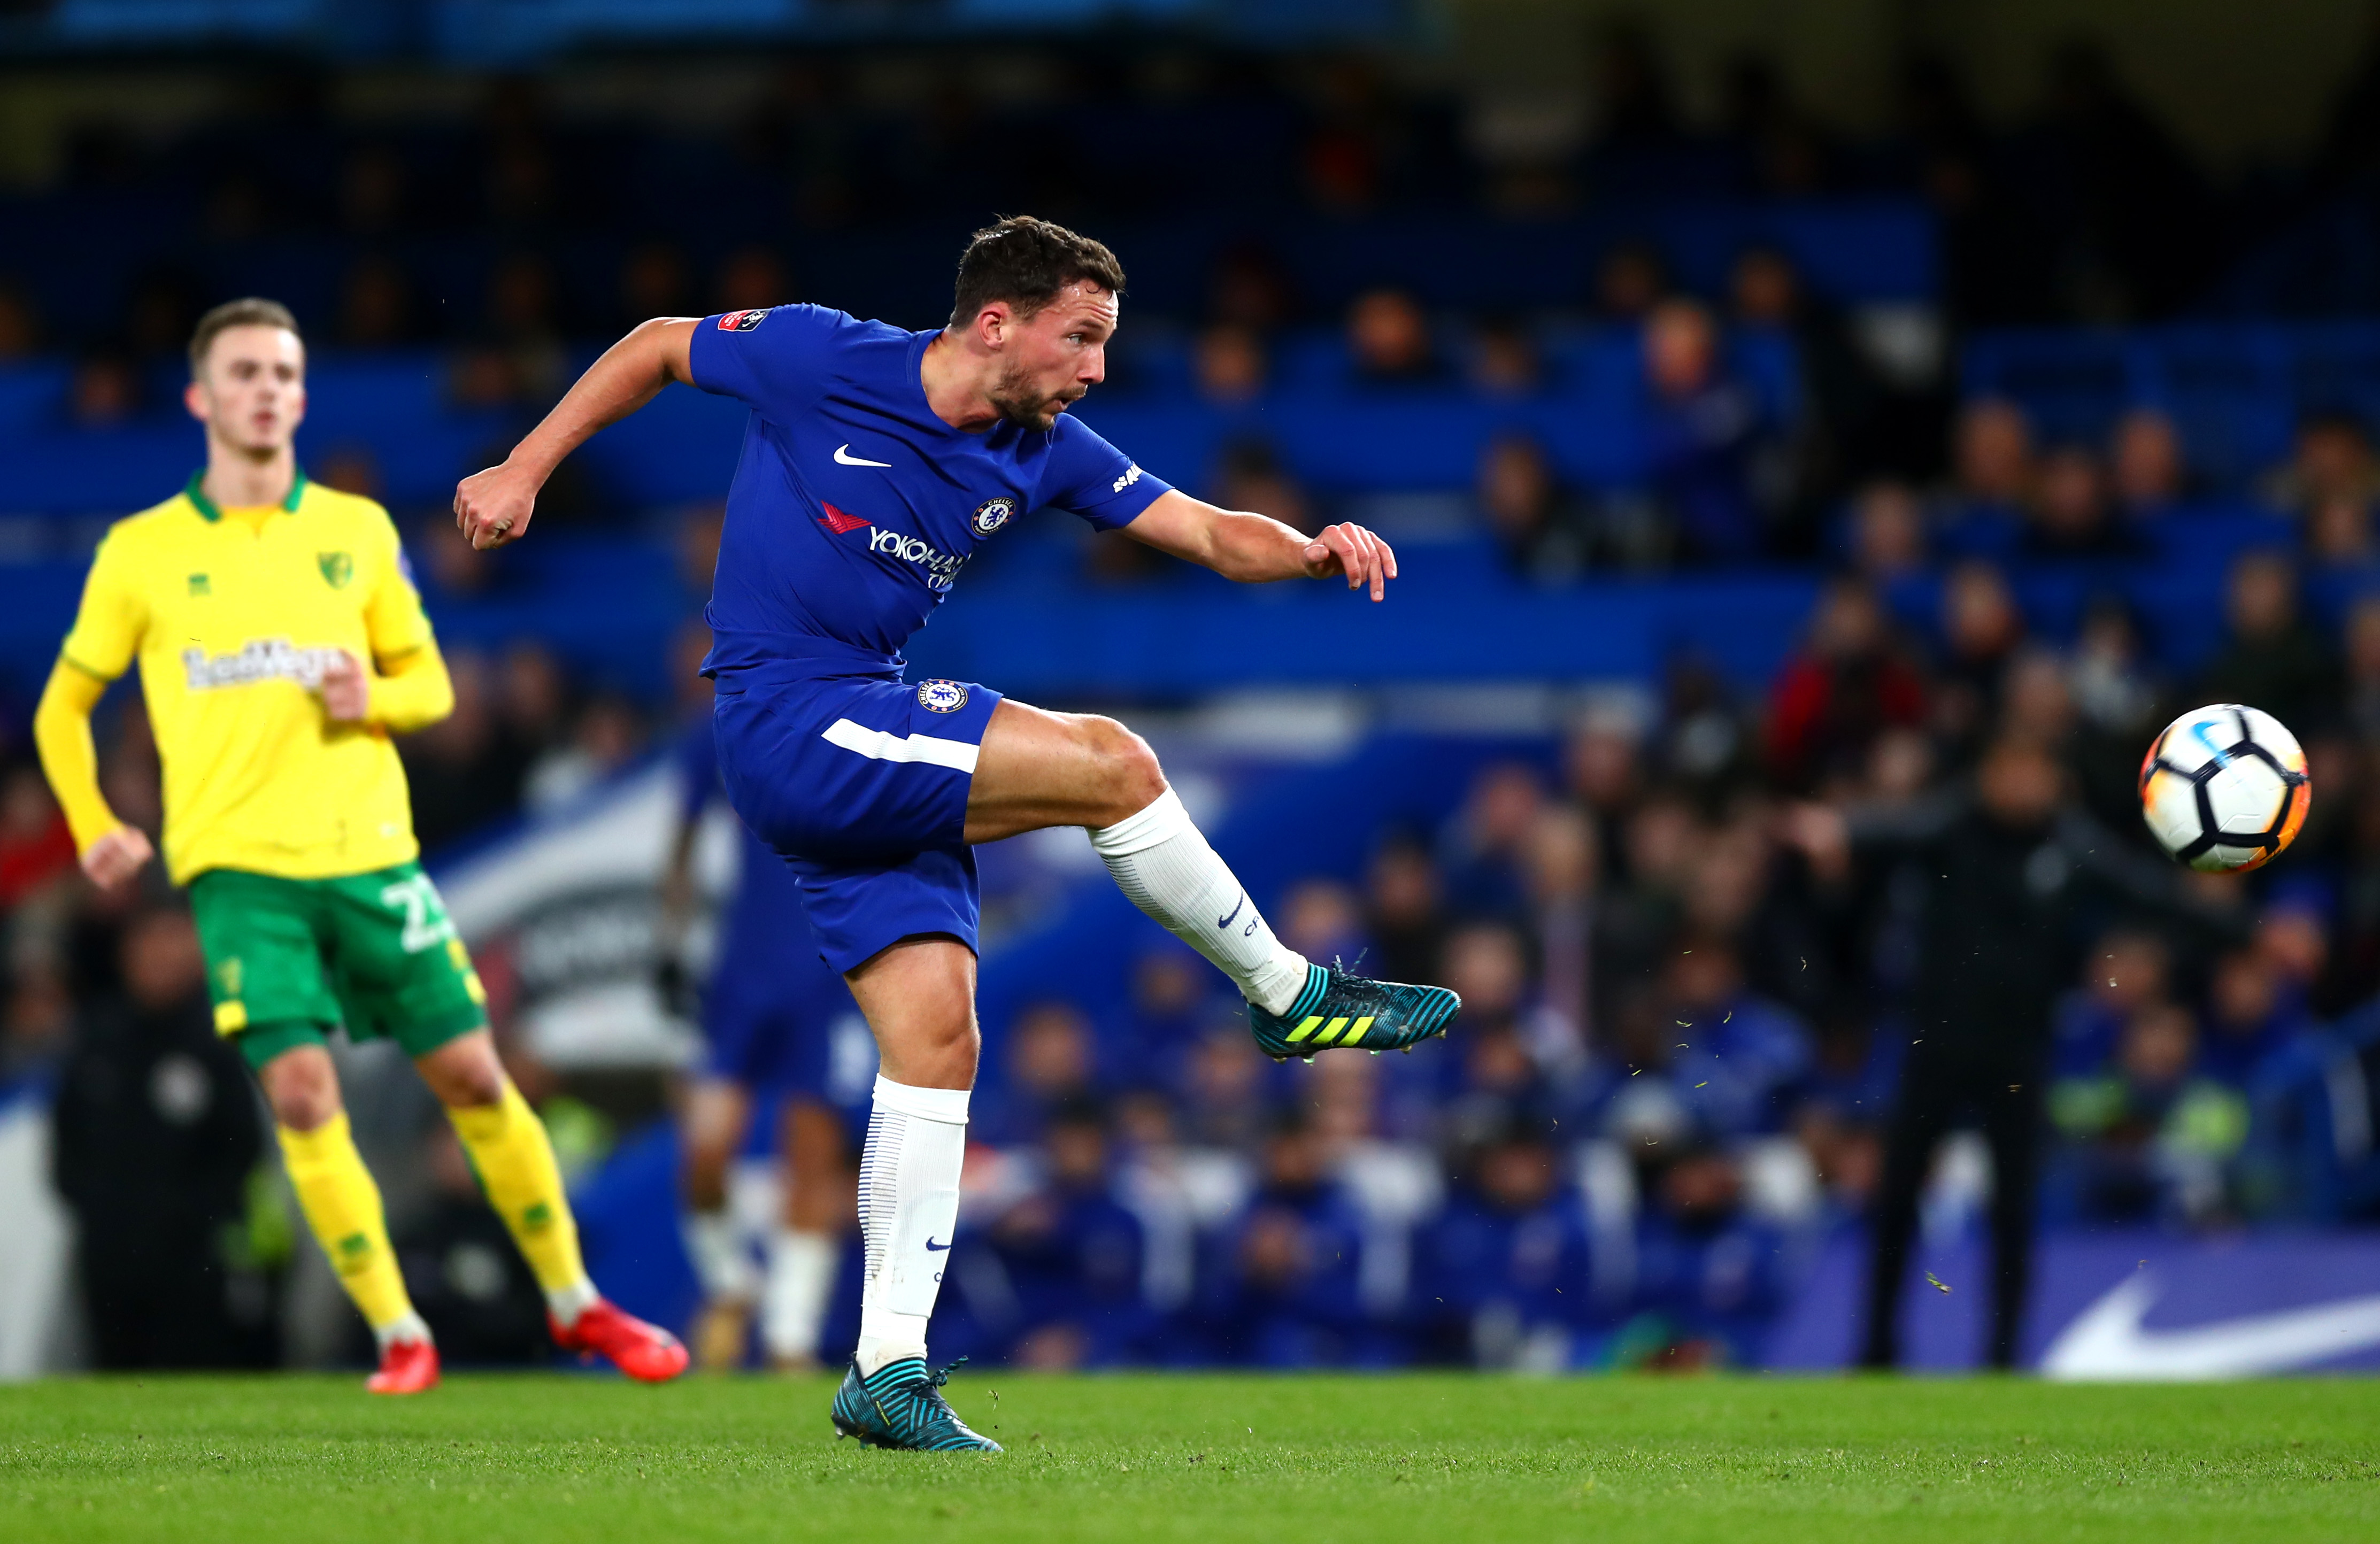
(2224, 787)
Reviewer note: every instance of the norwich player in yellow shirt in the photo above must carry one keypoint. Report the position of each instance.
(280, 643)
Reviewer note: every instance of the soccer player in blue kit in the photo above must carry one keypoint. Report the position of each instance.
(875, 462)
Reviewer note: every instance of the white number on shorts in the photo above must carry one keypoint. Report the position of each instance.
(426, 923)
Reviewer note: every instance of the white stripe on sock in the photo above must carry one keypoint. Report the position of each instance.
(909, 1211)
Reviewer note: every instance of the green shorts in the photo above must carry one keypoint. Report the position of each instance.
(289, 959)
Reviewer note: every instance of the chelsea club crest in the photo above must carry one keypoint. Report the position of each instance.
(942, 696)
(992, 514)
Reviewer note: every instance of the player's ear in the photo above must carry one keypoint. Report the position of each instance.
(992, 324)
(194, 397)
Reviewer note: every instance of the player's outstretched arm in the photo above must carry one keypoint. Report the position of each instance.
(1255, 549)
(495, 506)
(112, 851)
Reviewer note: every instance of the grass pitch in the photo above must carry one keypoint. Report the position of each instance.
(522, 1460)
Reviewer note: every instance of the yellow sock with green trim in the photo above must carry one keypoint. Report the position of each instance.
(342, 1206)
(515, 1161)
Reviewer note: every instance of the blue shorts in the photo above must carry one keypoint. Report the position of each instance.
(860, 784)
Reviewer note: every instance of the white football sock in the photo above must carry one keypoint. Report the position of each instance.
(714, 1247)
(908, 1208)
(409, 1328)
(565, 1304)
(1166, 869)
(792, 1307)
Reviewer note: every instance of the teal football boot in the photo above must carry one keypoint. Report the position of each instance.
(1340, 1008)
(903, 1406)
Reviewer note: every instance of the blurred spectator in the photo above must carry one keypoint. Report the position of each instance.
(1603, 774)
(104, 392)
(1542, 533)
(654, 282)
(1992, 468)
(1249, 287)
(1705, 432)
(1228, 364)
(1250, 476)
(373, 188)
(1887, 536)
(2332, 458)
(1843, 406)
(2252, 1012)
(1981, 630)
(2129, 969)
(1505, 1277)
(1629, 282)
(2362, 661)
(750, 278)
(2273, 658)
(2153, 1136)
(156, 1139)
(1048, 1063)
(1321, 919)
(36, 849)
(464, 1274)
(608, 734)
(2070, 517)
(1708, 1278)
(1737, 1062)
(1287, 1296)
(1223, 1103)
(1504, 361)
(375, 305)
(1402, 914)
(1389, 341)
(465, 770)
(353, 469)
(1845, 686)
(2145, 464)
(2338, 533)
(1485, 849)
(21, 327)
(1072, 1254)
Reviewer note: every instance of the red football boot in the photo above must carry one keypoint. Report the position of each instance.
(406, 1368)
(645, 1352)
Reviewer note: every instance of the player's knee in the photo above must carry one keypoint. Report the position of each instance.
(464, 1074)
(1130, 776)
(302, 1089)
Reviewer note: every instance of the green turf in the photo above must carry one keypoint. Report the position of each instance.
(528, 1459)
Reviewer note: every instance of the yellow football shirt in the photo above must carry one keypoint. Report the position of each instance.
(233, 622)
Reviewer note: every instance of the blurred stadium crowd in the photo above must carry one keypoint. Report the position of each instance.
(1685, 1017)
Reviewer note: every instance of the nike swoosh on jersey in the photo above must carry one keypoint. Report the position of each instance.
(844, 457)
(2108, 1338)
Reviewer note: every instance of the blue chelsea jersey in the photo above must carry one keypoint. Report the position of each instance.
(853, 506)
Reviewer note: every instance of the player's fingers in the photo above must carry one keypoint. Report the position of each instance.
(1343, 538)
(1387, 556)
(1369, 545)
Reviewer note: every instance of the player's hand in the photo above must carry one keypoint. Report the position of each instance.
(495, 506)
(347, 690)
(1351, 550)
(117, 856)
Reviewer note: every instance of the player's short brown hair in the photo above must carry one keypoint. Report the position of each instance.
(250, 311)
(1026, 261)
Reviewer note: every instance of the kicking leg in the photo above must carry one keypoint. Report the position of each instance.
(343, 1209)
(1038, 769)
(515, 1161)
(918, 997)
(717, 1114)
